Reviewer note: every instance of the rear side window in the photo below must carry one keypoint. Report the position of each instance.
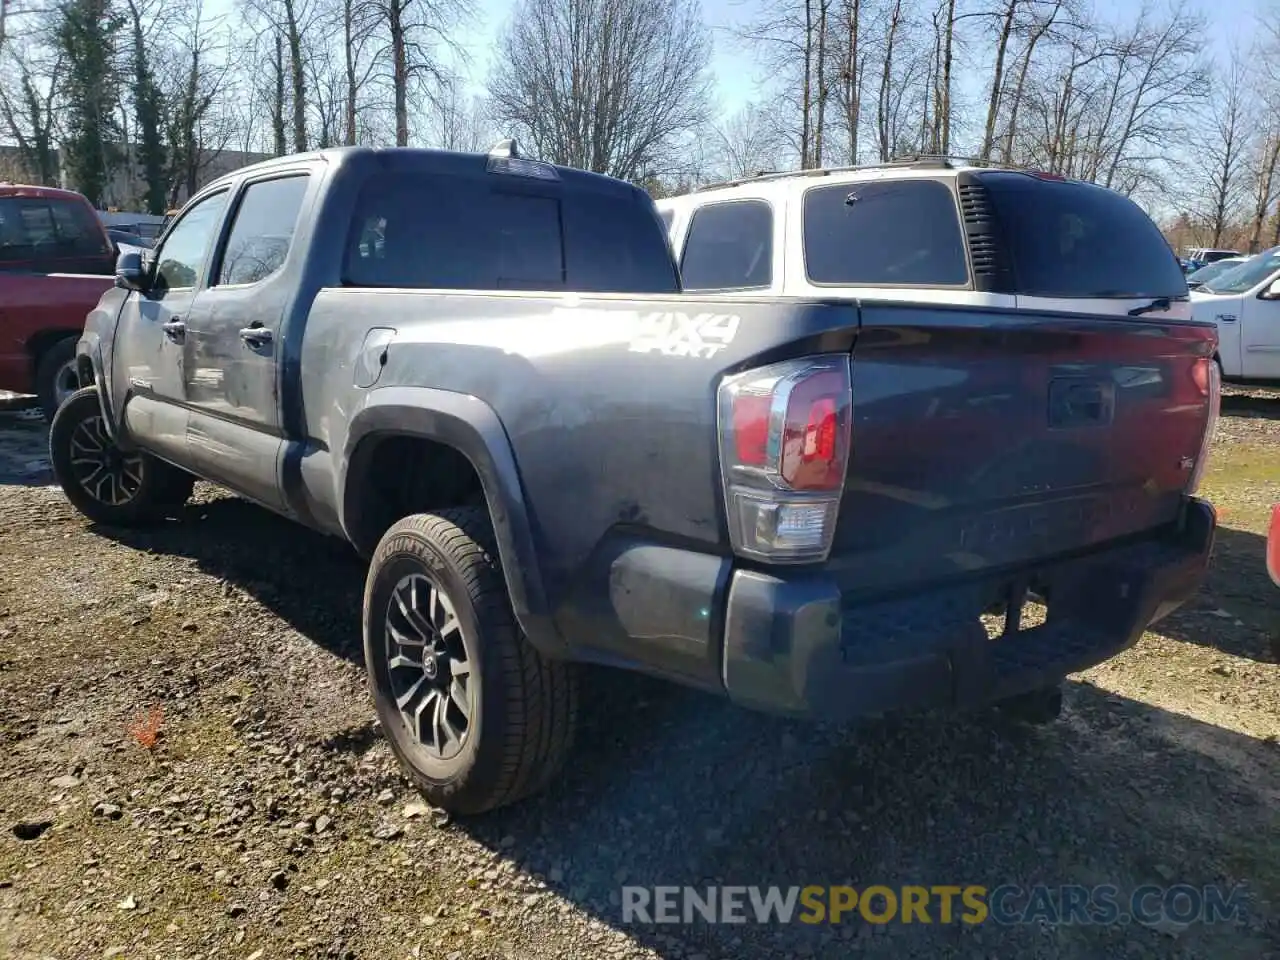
(263, 230)
(1071, 239)
(49, 231)
(481, 233)
(729, 246)
(887, 233)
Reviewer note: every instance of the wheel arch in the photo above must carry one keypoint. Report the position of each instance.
(469, 427)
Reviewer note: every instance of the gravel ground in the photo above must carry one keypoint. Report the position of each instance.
(190, 769)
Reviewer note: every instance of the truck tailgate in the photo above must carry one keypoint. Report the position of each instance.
(984, 440)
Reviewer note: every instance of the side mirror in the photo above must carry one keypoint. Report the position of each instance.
(1272, 292)
(131, 272)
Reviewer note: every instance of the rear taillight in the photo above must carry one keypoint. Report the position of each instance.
(1208, 381)
(784, 452)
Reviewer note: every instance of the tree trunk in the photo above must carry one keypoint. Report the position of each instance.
(851, 76)
(1266, 180)
(806, 96)
(348, 13)
(1018, 89)
(400, 68)
(997, 80)
(886, 77)
(821, 74)
(277, 106)
(298, 76)
(945, 118)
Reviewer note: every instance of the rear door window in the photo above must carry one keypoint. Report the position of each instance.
(1068, 239)
(729, 247)
(483, 233)
(263, 229)
(887, 233)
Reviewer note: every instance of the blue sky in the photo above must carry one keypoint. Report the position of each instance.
(736, 83)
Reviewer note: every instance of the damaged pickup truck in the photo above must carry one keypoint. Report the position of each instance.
(483, 373)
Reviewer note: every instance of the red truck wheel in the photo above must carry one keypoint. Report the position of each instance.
(56, 377)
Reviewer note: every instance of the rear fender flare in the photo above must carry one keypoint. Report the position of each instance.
(471, 427)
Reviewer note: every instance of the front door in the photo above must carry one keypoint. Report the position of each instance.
(149, 359)
(1260, 337)
(235, 433)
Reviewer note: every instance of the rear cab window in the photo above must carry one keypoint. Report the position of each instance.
(52, 234)
(729, 246)
(884, 233)
(490, 232)
(1068, 239)
(262, 231)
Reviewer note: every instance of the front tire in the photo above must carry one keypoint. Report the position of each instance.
(106, 484)
(475, 715)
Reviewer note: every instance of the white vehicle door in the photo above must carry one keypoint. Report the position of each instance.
(1223, 312)
(1260, 332)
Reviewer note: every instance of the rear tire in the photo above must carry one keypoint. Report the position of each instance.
(104, 483)
(475, 715)
(56, 377)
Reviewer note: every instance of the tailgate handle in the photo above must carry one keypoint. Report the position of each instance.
(1075, 402)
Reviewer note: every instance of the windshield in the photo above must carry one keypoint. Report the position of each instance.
(1245, 276)
(1218, 267)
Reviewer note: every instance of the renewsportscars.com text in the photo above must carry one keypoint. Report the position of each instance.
(944, 903)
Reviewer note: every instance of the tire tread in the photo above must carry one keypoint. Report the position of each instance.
(540, 696)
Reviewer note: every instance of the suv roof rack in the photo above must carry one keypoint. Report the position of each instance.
(922, 160)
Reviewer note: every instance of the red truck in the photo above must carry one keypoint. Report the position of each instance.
(55, 262)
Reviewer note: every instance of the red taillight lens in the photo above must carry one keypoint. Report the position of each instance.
(1201, 376)
(784, 472)
(811, 457)
(751, 428)
(1205, 375)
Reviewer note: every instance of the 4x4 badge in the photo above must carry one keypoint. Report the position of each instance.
(680, 335)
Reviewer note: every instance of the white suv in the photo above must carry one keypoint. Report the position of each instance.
(931, 231)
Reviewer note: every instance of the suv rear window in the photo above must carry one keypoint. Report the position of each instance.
(1071, 239)
(729, 247)
(50, 233)
(477, 233)
(887, 233)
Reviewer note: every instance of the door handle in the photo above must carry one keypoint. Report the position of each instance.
(175, 330)
(1226, 317)
(256, 336)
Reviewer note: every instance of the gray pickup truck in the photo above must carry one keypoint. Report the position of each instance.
(482, 372)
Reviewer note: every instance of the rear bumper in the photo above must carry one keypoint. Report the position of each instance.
(792, 646)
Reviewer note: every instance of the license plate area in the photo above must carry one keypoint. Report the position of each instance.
(1018, 607)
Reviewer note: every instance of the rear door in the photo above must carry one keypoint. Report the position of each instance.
(235, 340)
(1078, 247)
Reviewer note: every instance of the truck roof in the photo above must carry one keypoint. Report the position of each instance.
(38, 192)
(431, 161)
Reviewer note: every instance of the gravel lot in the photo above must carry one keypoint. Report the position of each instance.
(268, 818)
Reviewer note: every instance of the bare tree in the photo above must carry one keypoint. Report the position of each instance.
(750, 141)
(27, 103)
(605, 85)
(1223, 146)
(418, 37)
(460, 121)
